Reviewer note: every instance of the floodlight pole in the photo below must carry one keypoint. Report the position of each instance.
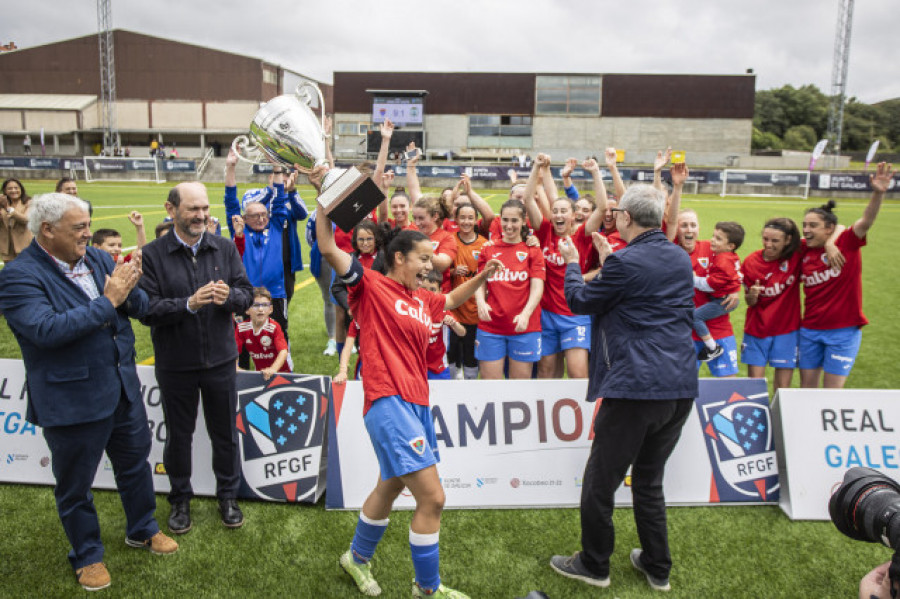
(839, 78)
(107, 76)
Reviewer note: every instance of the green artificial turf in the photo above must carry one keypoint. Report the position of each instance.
(292, 550)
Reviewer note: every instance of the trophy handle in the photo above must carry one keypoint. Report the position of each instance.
(241, 143)
(303, 93)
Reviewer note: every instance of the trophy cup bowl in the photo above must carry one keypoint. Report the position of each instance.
(286, 130)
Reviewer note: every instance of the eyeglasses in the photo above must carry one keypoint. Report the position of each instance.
(365, 240)
(256, 216)
(262, 305)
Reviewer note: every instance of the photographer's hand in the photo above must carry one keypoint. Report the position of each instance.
(876, 584)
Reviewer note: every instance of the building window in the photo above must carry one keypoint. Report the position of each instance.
(567, 95)
(270, 77)
(352, 128)
(499, 131)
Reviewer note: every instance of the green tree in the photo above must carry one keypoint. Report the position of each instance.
(763, 140)
(800, 137)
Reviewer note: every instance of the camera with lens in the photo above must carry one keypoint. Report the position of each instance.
(866, 507)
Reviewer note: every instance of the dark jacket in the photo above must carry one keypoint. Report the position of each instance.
(182, 340)
(78, 352)
(643, 307)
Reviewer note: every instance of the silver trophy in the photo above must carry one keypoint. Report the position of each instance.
(286, 130)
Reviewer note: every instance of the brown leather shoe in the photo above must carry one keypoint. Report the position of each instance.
(159, 544)
(93, 577)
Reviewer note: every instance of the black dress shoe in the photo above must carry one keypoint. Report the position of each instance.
(232, 516)
(180, 518)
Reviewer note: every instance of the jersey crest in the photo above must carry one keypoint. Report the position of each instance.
(704, 262)
(521, 256)
(476, 254)
(418, 445)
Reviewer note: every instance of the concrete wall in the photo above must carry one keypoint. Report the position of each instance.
(53, 121)
(347, 146)
(178, 115)
(446, 131)
(132, 114)
(230, 115)
(10, 120)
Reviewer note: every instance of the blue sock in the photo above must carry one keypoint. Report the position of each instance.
(426, 560)
(340, 348)
(365, 540)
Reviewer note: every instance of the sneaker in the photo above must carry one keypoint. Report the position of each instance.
(571, 567)
(331, 348)
(442, 592)
(361, 574)
(158, 544)
(708, 355)
(93, 577)
(657, 584)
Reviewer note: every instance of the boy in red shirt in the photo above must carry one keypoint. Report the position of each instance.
(723, 278)
(436, 354)
(262, 336)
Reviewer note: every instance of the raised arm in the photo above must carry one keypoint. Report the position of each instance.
(532, 210)
(412, 177)
(662, 159)
(387, 130)
(487, 213)
(550, 191)
(612, 165)
(679, 173)
(339, 260)
(329, 157)
(596, 218)
(566, 175)
(137, 219)
(880, 182)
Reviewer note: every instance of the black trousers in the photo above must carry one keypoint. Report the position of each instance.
(181, 393)
(640, 434)
(461, 350)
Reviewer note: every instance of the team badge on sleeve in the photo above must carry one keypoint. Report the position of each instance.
(418, 445)
(521, 256)
(434, 245)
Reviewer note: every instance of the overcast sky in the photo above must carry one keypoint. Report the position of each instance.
(783, 41)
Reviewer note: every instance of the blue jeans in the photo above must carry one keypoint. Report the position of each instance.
(711, 309)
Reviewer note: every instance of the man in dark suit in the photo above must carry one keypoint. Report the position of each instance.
(195, 281)
(644, 368)
(68, 306)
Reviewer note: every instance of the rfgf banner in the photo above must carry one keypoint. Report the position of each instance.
(507, 444)
(280, 426)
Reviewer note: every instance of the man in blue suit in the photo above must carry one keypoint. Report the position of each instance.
(68, 306)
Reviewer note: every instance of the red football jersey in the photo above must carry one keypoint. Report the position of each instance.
(724, 274)
(554, 299)
(495, 230)
(833, 297)
(701, 258)
(777, 309)
(436, 354)
(409, 225)
(508, 289)
(398, 322)
(343, 240)
(443, 242)
(367, 260)
(450, 226)
(263, 346)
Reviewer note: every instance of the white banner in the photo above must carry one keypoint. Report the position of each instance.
(289, 470)
(515, 444)
(821, 433)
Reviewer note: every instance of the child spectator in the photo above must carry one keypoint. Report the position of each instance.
(262, 336)
(436, 354)
(347, 354)
(724, 277)
(110, 240)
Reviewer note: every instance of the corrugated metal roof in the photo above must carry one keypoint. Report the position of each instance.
(45, 101)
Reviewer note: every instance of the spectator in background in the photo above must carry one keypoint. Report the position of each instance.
(26, 144)
(68, 306)
(195, 281)
(461, 351)
(110, 240)
(262, 337)
(642, 367)
(14, 232)
(263, 250)
(68, 186)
